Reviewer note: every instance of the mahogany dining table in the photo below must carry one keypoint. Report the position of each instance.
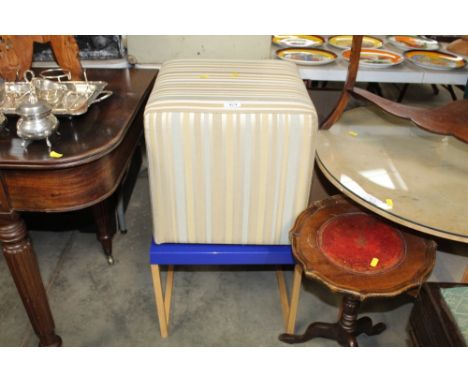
(97, 149)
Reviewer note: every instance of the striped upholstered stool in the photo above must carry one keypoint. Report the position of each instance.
(231, 149)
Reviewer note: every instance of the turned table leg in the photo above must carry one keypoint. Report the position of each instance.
(24, 269)
(104, 217)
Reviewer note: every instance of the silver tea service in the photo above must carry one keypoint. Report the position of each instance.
(67, 98)
(36, 120)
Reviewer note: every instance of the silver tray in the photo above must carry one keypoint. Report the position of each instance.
(67, 98)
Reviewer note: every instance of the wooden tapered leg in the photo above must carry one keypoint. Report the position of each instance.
(283, 292)
(296, 289)
(163, 303)
(168, 291)
(22, 262)
(289, 308)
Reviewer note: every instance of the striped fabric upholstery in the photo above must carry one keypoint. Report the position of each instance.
(230, 151)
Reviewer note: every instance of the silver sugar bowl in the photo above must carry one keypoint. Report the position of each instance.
(36, 120)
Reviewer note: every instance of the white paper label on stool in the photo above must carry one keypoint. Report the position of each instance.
(232, 105)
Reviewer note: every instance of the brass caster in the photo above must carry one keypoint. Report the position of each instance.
(110, 260)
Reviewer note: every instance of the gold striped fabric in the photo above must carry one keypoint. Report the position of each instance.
(231, 146)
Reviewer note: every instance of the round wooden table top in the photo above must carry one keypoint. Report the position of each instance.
(399, 171)
(357, 253)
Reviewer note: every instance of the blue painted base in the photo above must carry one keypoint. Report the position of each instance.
(219, 254)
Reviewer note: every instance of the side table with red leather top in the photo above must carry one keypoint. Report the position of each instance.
(359, 255)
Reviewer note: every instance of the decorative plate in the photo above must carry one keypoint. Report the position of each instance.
(413, 42)
(306, 56)
(434, 59)
(298, 41)
(344, 42)
(376, 58)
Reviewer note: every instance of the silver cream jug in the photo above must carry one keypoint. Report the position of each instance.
(36, 120)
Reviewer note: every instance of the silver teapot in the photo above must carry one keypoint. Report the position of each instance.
(36, 120)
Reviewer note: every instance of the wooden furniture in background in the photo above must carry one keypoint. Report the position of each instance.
(97, 150)
(360, 256)
(389, 166)
(393, 168)
(450, 119)
(459, 46)
(431, 322)
(16, 53)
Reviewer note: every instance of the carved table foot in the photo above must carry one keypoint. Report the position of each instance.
(316, 329)
(22, 262)
(344, 331)
(324, 330)
(365, 325)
